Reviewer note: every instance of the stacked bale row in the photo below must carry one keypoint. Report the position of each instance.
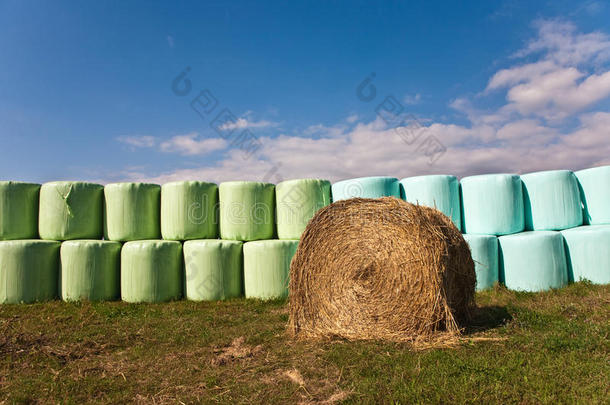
(525, 231)
(141, 256)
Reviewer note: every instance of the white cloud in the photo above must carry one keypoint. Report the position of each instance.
(569, 77)
(242, 123)
(562, 44)
(410, 99)
(191, 144)
(565, 75)
(138, 141)
(170, 41)
(352, 118)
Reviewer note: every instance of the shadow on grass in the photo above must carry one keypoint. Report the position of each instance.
(485, 318)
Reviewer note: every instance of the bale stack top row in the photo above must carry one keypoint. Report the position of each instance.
(494, 204)
(186, 210)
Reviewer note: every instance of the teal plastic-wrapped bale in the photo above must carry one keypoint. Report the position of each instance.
(296, 203)
(247, 210)
(18, 210)
(484, 251)
(551, 200)
(267, 268)
(28, 270)
(213, 269)
(437, 191)
(151, 271)
(188, 210)
(595, 194)
(492, 204)
(90, 270)
(71, 210)
(588, 253)
(366, 187)
(533, 261)
(132, 211)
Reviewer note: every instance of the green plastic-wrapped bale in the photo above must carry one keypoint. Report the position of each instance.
(188, 210)
(296, 203)
(267, 268)
(90, 270)
(588, 254)
(437, 191)
(132, 211)
(247, 210)
(151, 271)
(492, 204)
(18, 210)
(213, 269)
(595, 194)
(71, 210)
(28, 270)
(484, 251)
(533, 261)
(366, 187)
(551, 200)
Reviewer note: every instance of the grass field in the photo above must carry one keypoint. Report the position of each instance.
(547, 348)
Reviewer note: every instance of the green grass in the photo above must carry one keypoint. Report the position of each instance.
(548, 348)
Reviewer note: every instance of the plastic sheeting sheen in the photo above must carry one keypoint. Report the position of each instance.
(533, 261)
(132, 211)
(90, 269)
(551, 200)
(28, 270)
(18, 210)
(213, 269)
(437, 191)
(296, 203)
(188, 210)
(267, 268)
(151, 271)
(71, 210)
(484, 250)
(492, 204)
(366, 187)
(588, 253)
(595, 194)
(247, 210)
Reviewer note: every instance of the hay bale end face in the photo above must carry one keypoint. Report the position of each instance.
(380, 269)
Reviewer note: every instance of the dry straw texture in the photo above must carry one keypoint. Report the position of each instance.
(380, 269)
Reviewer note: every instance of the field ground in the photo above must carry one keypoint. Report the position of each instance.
(546, 348)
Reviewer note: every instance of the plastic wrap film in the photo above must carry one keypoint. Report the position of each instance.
(437, 191)
(188, 210)
(366, 187)
(132, 211)
(484, 250)
(296, 203)
(267, 268)
(29, 270)
(247, 210)
(533, 261)
(151, 271)
(551, 200)
(492, 204)
(18, 210)
(71, 210)
(588, 253)
(90, 270)
(595, 194)
(213, 269)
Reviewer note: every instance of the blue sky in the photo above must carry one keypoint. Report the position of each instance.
(86, 89)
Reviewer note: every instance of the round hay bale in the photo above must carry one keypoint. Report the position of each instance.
(380, 269)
